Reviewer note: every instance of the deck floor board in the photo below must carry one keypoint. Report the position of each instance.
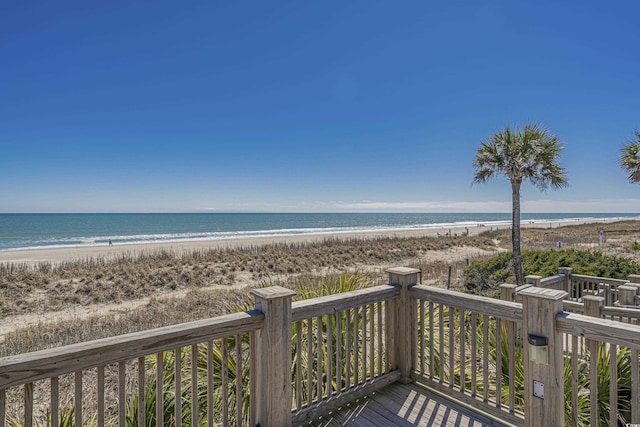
(403, 406)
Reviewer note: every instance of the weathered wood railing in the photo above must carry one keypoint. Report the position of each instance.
(603, 377)
(577, 286)
(466, 349)
(110, 379)
(340, 349)
(287, 362)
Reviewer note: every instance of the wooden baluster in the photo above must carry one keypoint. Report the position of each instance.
(252, 384)
(463, 356)
(451, 346)
(330, 338)
(210, 384)
(55, 402)
(498, 323)
(178, 385)
(309, 361)
(421, 329)
(122, 399)
(78, 398)
(339, 347)
(511, 336)
(159, 389)
(194, 385)
(348, 349)
(431, 340)
(485, 358)
(298, 365)
(574, 379)
(381, 346)
(364, 343)
(100, 396)
(28, 406)
(356, 346)
(319, 367)
(474, 352)
(141, 392)
(441, 341)
(225, 382)
(372, 374)
(613, 384)
(239, 380)
(3, 408)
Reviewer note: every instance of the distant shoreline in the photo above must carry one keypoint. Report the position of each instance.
(63, 254)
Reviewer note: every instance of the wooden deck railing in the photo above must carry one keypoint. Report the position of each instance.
(340, 349)
(577, 286)
(288, 362)
(467, 346)
(107, 381)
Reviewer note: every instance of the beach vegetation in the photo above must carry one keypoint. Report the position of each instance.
(484, 276)
(630, 159)
(522, 155)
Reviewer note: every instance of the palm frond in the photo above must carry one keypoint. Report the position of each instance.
(630, 159)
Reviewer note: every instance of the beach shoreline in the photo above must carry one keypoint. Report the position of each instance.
(65, 254)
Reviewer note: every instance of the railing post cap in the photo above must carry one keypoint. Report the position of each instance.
(533, 277)
(273, 292)
(563, 270)
(543, 293)
(593, 298)
(507, 285)
(402, 271)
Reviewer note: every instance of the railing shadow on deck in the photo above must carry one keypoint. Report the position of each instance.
(530, 362)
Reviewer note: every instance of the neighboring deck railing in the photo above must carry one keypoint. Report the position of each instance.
(290, 362)
(577, 286)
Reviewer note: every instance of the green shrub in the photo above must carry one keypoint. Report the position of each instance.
(635, 246)
(484, 276)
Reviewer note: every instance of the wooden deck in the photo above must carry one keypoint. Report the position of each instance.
(403, 405)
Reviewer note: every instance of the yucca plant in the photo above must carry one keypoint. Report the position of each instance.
(186, 398)
(327, 286)
(309, 386)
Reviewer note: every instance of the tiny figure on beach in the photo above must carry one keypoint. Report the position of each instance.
(110, 242)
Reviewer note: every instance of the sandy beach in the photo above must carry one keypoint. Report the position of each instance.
(181, 278)
(57, 255)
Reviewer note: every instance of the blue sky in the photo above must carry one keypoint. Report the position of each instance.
(354, 106)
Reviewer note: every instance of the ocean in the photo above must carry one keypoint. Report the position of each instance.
(26, 231)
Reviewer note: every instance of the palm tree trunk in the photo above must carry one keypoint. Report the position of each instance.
(515, 232)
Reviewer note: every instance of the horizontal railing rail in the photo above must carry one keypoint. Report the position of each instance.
(603, 330)
(595, 279)
(483, 305)
(339, 302)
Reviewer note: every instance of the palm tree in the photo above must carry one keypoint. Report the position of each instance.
(630, 159)
(520, 155)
